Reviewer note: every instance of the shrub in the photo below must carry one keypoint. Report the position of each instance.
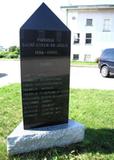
(97, 60)
(14, 49)
(3, 54)
(12, 54)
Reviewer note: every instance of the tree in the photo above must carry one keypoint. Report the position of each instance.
(14, 49)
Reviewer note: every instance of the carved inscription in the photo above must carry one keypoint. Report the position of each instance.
(43, 45)
(41, 96)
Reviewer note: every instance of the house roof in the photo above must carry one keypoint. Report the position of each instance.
(89, 6)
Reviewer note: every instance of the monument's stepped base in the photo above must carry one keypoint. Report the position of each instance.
(22, 141)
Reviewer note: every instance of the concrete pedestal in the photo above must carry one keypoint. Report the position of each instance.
(22, 141)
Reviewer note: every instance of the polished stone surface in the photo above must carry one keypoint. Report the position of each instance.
(22, 141)
(45, 69)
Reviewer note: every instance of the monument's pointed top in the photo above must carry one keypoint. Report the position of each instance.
(44, 19)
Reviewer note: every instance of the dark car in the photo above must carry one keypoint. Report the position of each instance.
(106, 62)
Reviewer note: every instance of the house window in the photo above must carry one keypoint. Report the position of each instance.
(73, 18)
(89, 22)
(88, 39)
(107, 25)
(76, 38)
(75, 56)
(87, 58)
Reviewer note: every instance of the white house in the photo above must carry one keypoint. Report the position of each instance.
(92, 27)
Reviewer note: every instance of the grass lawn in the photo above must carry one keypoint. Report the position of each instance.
(94, 108)
(79, 63)
(9, 59)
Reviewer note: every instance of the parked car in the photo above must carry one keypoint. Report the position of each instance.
(106, 62)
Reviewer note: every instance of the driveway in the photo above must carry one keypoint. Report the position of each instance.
(89, 78)
(80, 77)
(9, 72)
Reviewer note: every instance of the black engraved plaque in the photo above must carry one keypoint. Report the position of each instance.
(45, 67)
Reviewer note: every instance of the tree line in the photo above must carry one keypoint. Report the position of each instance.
(11, 52)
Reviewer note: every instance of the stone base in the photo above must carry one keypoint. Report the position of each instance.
(22, 141)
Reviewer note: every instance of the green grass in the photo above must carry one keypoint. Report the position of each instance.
(10, 114)
(9, 59)
(79, 63)
(94, 108)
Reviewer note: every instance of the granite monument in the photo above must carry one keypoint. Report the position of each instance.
(45, 71)
(45, 67)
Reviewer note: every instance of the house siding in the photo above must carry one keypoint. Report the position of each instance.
(76, 21)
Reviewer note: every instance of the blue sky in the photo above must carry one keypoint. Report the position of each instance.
(13, 13)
